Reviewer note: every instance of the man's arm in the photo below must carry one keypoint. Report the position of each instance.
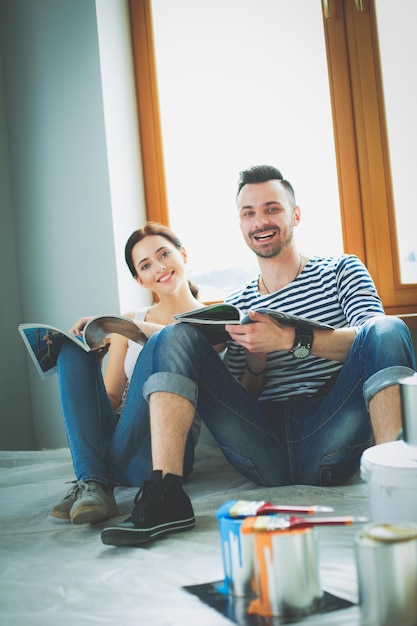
(254, 374)
(269, 336)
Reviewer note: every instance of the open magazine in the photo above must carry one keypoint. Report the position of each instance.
(213, 318)
(44, 341)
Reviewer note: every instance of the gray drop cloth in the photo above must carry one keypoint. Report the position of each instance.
(53, 573)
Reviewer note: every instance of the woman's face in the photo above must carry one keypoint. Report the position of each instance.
(159, 265)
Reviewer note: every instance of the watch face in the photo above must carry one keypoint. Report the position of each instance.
(300, 352)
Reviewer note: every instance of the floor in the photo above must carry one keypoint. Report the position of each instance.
(52, 573)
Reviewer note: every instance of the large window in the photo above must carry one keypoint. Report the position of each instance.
(291, 99)
(232, 93)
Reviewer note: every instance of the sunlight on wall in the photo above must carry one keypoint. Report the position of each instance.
(122, 136)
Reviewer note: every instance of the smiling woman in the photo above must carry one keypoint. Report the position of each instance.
(93, 402)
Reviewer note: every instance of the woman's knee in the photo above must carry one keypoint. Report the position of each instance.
(72, 354)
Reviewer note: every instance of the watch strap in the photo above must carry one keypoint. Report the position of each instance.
(303, 340)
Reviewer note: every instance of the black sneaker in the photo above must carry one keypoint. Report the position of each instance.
(161, 507)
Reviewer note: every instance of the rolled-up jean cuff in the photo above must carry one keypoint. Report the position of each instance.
(384, 378)
(171, 383)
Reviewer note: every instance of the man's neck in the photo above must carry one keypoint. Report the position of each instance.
(280, 271)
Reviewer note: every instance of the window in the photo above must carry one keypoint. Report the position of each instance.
(223, 107)
(397, 61)
(360, 138)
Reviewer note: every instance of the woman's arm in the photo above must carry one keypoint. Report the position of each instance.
(149, 328)
(114, 374)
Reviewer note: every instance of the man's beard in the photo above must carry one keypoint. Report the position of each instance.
(269, 254)
(276, 248)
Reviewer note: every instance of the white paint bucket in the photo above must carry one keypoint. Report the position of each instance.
(390, 469)
(408, 393)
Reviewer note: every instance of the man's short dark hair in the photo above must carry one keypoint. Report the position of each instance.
(261, 174)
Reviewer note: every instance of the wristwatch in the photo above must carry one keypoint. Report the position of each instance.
(302, 343)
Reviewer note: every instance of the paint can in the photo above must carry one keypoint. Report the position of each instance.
(386, 560)
(237, 556)
(408, 394)
(287, 580)
(390, 469)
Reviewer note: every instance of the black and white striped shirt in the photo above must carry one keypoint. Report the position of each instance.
(335, 290)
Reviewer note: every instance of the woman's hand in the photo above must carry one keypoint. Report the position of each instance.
(79, 325)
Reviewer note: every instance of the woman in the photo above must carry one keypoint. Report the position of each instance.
(98, 408)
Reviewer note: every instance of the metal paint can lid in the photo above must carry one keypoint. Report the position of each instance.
(389, 533)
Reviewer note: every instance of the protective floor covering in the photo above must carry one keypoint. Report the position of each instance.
(53, 573)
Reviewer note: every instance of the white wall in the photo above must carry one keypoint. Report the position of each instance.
(61, 201)
(16, 429)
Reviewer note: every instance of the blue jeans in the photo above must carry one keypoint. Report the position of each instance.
(315, 440)
(105, 447)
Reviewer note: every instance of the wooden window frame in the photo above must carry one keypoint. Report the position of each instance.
(148, 110)
(365, 186)
(364, 173)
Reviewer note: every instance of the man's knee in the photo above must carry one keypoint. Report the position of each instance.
(386, 341)
(179, 332)
(386, 327)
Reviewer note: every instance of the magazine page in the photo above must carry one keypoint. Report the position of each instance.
(221, 314)
(213, 314)
(97, 329)
(44, 342)
(288, 319)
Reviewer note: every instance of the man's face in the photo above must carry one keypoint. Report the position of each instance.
(267, 217)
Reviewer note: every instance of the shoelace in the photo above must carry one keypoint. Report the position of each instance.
(84, 489)
(73, 492)
(145, 500)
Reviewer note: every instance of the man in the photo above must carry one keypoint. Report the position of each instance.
(286, 406)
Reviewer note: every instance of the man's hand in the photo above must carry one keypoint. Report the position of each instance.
(268, 336)
(264, 336)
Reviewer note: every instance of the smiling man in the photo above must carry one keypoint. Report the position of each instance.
(286, 405)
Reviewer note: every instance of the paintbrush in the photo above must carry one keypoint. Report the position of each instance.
(248, 508)
(288, 522)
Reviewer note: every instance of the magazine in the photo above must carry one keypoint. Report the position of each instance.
(44, 341)
(213, 318)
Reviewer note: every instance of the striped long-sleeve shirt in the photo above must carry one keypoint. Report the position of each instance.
(338, 291)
